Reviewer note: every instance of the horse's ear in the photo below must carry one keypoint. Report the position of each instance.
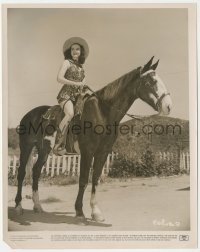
(154, 66)
(147, 65)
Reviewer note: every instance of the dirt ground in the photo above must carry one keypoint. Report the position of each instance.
(148, 204)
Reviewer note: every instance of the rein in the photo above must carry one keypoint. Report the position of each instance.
(131, 115)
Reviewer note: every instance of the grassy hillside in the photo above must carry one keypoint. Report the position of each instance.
(158, 133)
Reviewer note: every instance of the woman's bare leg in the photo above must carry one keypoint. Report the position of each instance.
(69, 113)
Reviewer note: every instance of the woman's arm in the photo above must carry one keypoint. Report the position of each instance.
(84, 81)
(61, 75)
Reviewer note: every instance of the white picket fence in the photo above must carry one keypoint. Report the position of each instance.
(55, 165)
(182, 158)
(70, 164)
(185, 161)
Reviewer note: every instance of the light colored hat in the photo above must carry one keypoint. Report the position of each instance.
(76, 40)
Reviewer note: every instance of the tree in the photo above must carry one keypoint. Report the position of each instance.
(13, 139)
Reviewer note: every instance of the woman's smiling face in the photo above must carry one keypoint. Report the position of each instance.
(75, 51)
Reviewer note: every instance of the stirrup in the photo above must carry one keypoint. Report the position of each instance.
(59, 152)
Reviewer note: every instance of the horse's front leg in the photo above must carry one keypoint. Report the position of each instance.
(99, 161)
(86, 160)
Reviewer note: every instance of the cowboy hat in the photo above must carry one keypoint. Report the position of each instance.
(76, 40)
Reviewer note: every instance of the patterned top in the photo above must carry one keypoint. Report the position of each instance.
(74, 73)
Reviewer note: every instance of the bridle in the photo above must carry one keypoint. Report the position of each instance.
(159, 99)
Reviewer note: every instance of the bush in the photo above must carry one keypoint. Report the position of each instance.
(12, 179)
(167, 168)
(146, 167)
(124, 167)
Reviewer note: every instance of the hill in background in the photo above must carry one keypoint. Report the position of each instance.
(158, 133)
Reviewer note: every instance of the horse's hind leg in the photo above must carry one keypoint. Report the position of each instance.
(25, 151)
(42, 158)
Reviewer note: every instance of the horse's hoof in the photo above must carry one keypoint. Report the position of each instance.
(81, 220)
(19, 210)
(97, 217)
(38, 209)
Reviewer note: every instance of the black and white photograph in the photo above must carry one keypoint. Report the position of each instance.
(100, 125)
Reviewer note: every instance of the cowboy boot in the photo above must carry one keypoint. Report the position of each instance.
(59, 147)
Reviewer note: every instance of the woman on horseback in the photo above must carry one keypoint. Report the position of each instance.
(72, 76)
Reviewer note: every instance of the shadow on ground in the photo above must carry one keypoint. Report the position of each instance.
(29, 217)
(184, 189)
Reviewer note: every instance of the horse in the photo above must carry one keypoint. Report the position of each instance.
(107, 107)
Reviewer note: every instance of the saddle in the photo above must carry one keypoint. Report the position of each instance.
(54, 115)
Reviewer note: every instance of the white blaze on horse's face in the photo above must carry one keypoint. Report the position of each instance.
(157, 92)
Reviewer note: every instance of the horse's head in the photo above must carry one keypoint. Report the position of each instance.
(152, 90)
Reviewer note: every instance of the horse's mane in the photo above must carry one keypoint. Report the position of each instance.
(110, 92)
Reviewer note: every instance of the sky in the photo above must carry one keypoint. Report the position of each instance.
(120, 40)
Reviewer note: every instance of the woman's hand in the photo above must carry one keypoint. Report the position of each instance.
(85, 86)
(81, 86)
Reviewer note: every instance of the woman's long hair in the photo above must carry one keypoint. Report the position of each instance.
(81, 59)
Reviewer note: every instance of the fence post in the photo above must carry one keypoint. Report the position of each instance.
(14, 164)
(182, 161)
(171, 158)
(168, 156)
(9, 161)
(79, 164)
(68, 164)
(107, 164)
(53, 165)
(164, 156)
(58, 165)
(74, 165)
(64, 164)
(187, 161)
